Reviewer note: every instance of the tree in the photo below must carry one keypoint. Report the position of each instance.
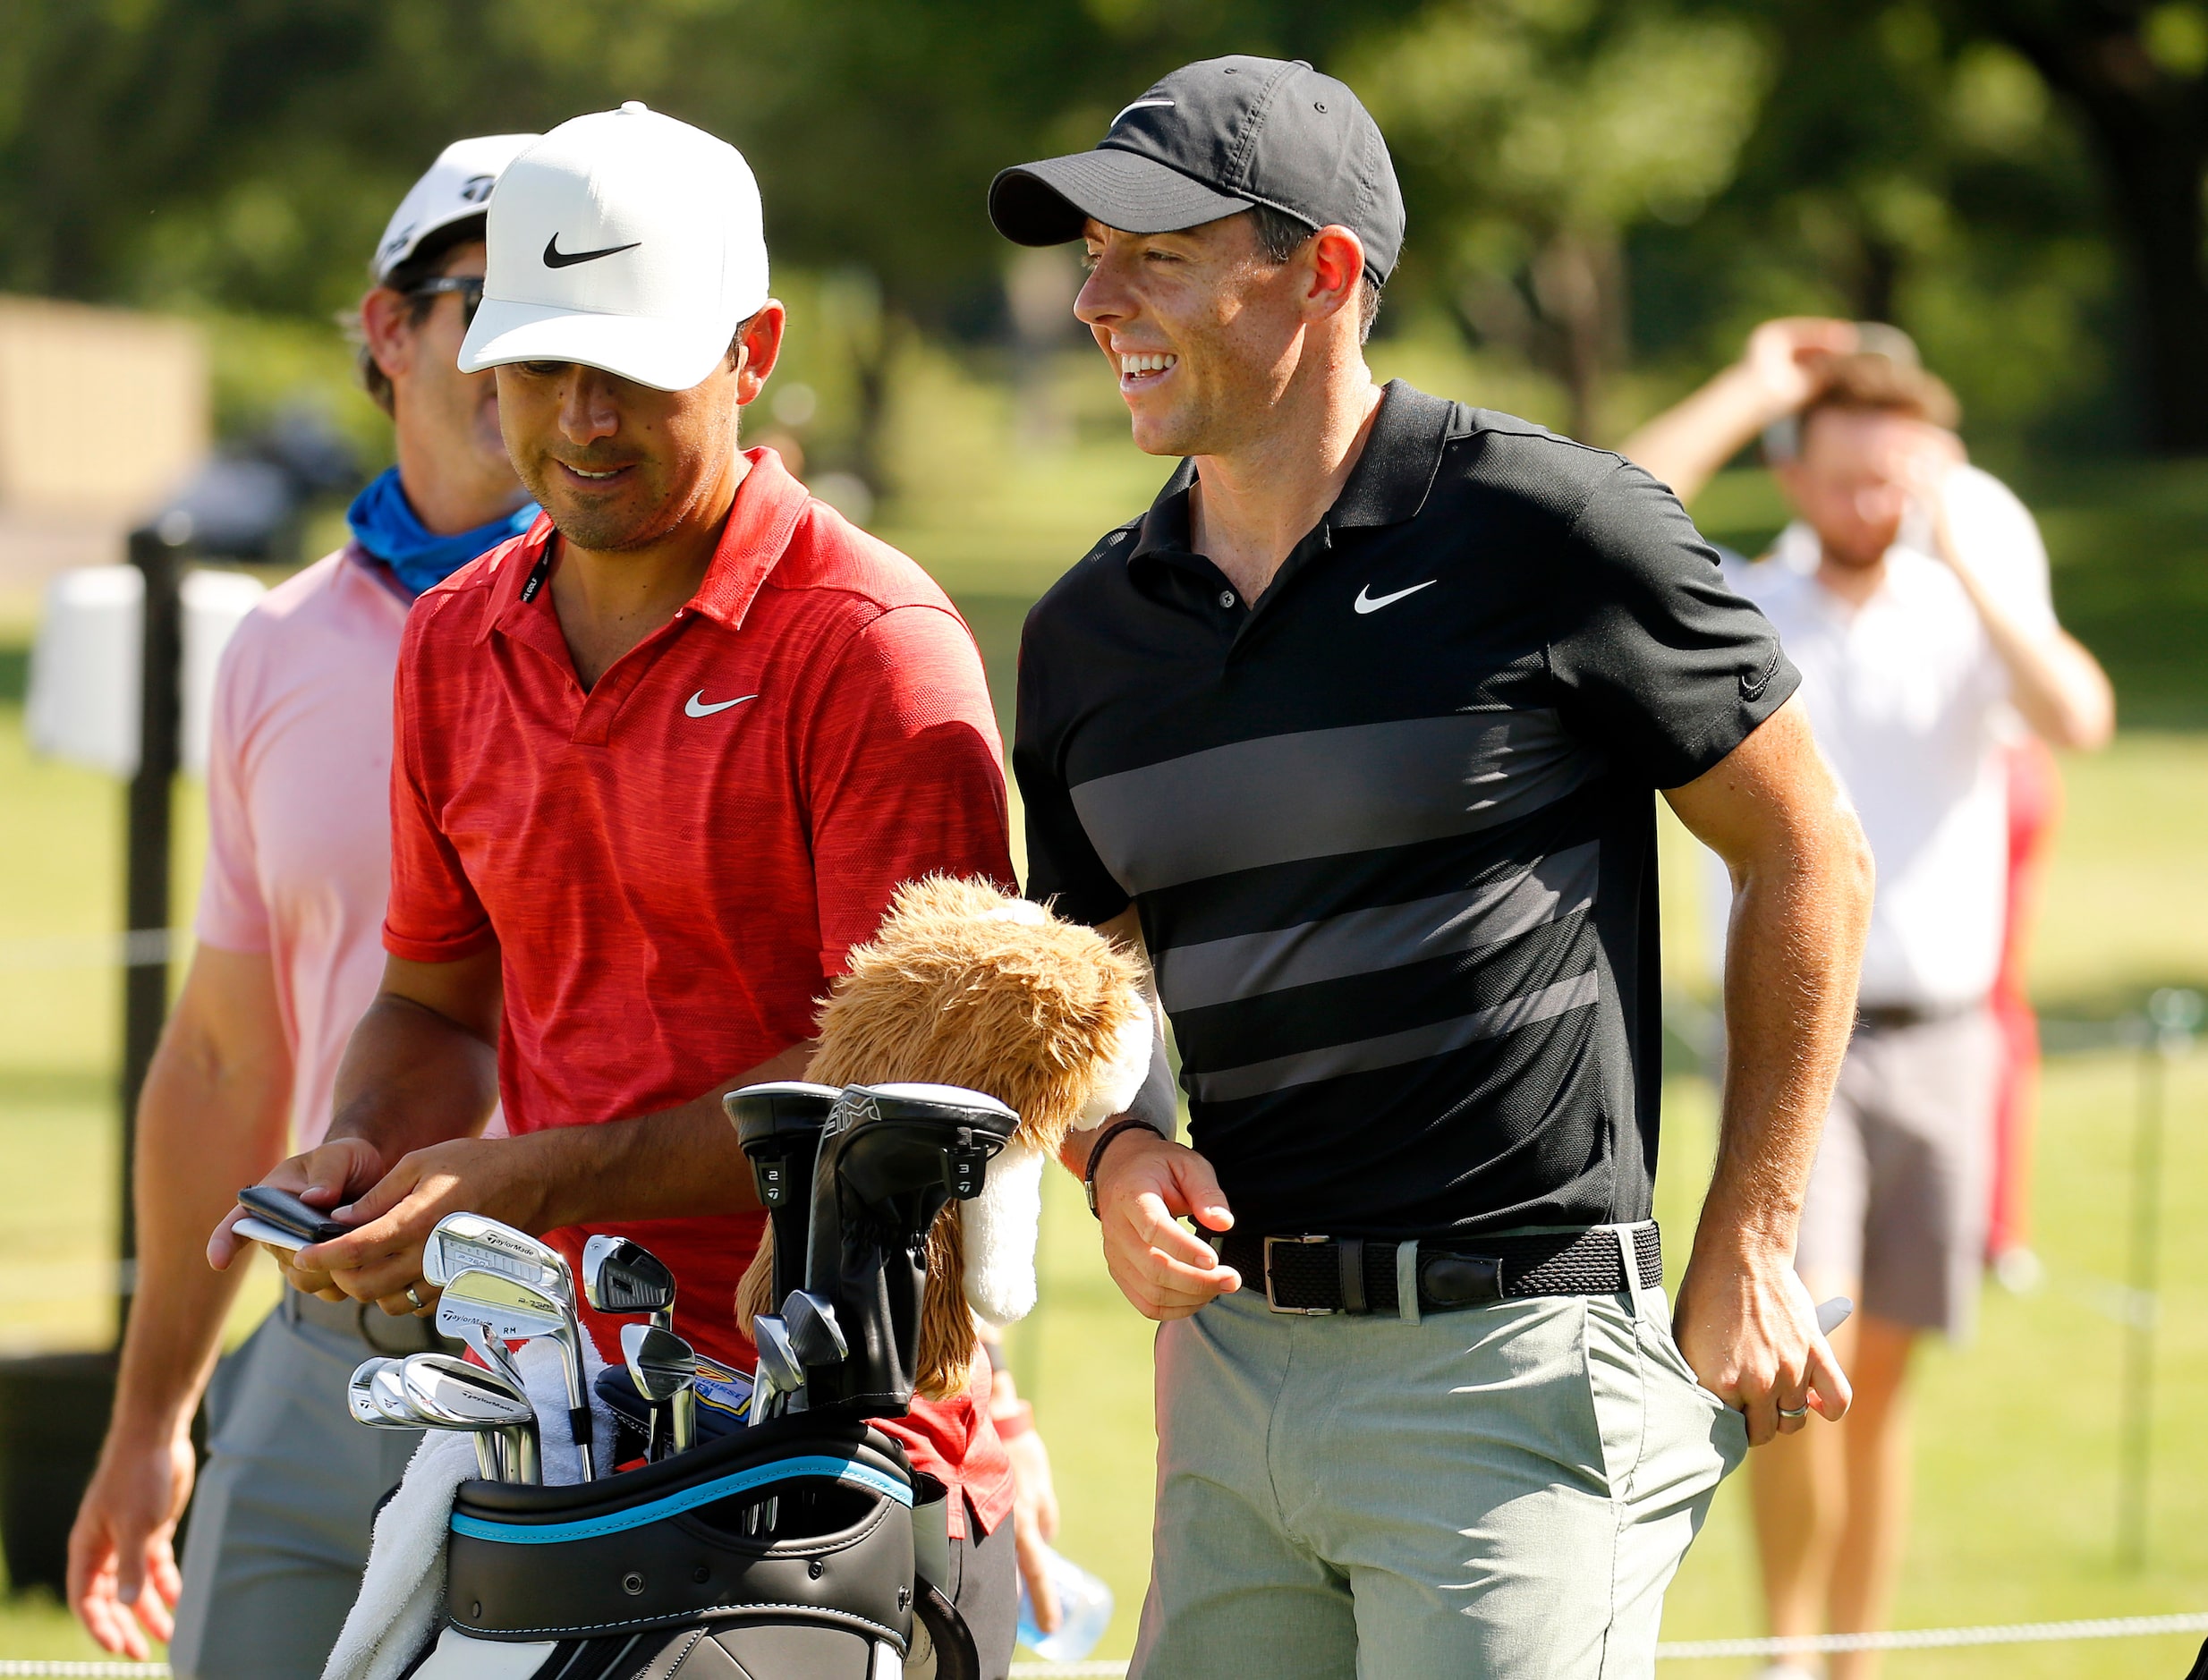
(1532, 135)
(2134, 74)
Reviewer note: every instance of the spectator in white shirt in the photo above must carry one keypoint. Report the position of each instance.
(1911, 590)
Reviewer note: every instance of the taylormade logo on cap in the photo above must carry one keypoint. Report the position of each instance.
(626, 241)
(453, 187)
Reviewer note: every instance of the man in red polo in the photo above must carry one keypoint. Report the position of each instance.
(660, 763)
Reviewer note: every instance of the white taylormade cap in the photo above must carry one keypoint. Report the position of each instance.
(626, 241)
(457, 185)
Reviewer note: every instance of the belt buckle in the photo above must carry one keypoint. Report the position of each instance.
(1271, 1302)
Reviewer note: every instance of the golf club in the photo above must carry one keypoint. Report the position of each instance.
(511, 1309)
(780, 1371)
(474, 1241)
(815, 1337)
(388, 1396)
(462, 1240)
(450, 1394)
(663, 1367)
(619, 1276)
(778, 1125)
(360, 1401)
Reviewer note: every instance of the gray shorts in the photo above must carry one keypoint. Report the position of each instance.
(1505, 1491)
(281, 1518)
(1896, 1204)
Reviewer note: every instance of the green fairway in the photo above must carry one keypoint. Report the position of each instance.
(2016, 1433)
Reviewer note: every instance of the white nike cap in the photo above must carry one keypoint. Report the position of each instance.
(626, 241)
(457, 185)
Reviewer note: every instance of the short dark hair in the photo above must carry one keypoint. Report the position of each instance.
(426, 262)
(1280, 236)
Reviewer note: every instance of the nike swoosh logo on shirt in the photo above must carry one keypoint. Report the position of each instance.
(1368, 602)
(697, 708)
(554, 257)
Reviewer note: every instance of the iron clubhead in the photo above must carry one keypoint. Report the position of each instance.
(450, 1394)
(442, 1387)
(815, 1337)
(660, 1362)
(388, 1396)
(512, 1310)
(361, 1400)
(776, 1358)
(619, 1276)
(462, 1242)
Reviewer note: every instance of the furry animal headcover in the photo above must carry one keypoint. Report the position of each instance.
(963, 986)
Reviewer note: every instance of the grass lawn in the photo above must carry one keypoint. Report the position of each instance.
(2017, 1436)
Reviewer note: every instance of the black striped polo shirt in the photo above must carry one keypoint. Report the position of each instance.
(1391, 831)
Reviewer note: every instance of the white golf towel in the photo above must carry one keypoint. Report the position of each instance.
(402, 1596)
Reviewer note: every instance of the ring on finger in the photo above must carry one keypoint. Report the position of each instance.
(1784, 1412)
(414, 1295)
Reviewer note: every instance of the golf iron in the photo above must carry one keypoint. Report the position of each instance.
(664, 1367)
(360, 1397)
(621, 1276)
(450, 1394)
(507, 1309)
(463, 1241)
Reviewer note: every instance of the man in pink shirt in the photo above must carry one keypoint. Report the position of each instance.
(289, 954)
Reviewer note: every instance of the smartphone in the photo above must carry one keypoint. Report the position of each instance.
(286, 1212)
(253, 1228)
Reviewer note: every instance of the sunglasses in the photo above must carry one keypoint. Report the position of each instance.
(467, 287)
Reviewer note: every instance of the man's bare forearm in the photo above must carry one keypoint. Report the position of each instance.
(685, 1163)
(411, 1077)
(2055, 683)
(1802, 887)
(1793, 949)
(212, 1117)
(1685, 446)
(1155, 1105)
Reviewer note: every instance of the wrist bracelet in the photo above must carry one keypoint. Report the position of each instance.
(1014, 1423)
(1096, 1153)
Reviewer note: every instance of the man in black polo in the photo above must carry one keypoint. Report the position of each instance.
(1357, 731)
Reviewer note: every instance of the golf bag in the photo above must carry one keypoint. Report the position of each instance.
(805, 1547)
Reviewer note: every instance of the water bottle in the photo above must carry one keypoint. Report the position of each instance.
(1084, 1612)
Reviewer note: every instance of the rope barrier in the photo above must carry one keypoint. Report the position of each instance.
(1941, 1638)
(1907, 1639)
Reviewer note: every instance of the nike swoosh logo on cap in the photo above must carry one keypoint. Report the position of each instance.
(554, 257)
(696, 707)
(1368, 602)
(1142, 105)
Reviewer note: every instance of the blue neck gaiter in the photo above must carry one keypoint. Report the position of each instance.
(385, 524)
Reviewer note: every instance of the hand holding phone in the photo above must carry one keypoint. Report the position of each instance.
(286, 1214)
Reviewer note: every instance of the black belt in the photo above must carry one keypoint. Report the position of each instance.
(1900, 1017)
(376, 1330)
(1317, 1275)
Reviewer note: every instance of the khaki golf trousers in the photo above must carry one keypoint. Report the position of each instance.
(280, 1521)
(1502, 1493)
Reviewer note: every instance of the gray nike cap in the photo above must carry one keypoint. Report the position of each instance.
(1212, 140)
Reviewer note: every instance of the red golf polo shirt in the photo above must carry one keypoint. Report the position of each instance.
(673, 864)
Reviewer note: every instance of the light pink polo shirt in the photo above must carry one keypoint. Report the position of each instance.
(299, 806)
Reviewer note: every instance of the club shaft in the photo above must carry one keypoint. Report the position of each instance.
(578, 1406)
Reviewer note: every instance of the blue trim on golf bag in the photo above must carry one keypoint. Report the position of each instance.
(687, 1500)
